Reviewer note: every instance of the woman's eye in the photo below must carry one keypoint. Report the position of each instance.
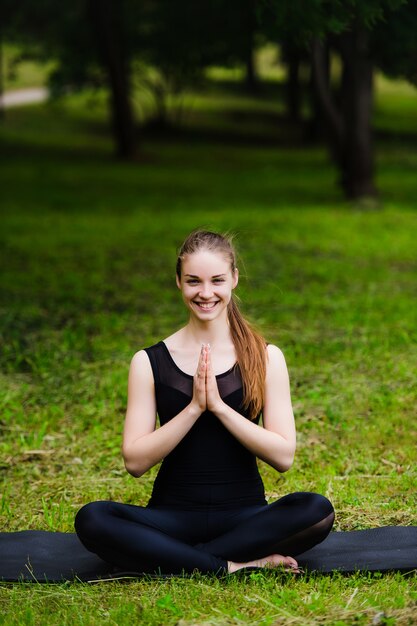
(193, 281)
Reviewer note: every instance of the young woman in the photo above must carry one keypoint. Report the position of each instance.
(209, 382)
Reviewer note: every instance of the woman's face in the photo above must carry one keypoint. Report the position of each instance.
(206, 283)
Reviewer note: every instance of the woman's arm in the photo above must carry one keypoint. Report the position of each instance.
(275, 442)
(143, 445)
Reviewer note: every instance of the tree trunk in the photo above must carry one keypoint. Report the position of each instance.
(316, 126)
(293, 86)
(251, 80)
(249, 24)
(357, 101)
(332, 116)
(349, 126)
(291, 57)
(107, 20)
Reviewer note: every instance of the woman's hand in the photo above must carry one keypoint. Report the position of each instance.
(199, 400)
(214, 401)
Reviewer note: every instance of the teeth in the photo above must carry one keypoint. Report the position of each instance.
(206, 306)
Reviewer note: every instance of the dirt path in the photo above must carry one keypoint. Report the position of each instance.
(22, 97)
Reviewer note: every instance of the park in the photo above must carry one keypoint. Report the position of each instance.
(100, 183)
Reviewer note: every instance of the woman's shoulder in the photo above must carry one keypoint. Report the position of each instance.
(141, 367)
(275, 354)
(142, 357)
(273, 349)
(276, 361)
(149, 360)
(144, 354)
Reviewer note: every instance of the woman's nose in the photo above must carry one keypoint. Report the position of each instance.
(206, 291)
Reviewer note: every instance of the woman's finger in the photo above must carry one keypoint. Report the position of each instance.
(199, 390)
(202, 363)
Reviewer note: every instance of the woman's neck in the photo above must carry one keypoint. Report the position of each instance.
(215, 332)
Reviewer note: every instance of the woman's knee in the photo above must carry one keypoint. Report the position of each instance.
(313, 505)
(318, 516)
(321, 504)
(90, 517)
(322, 513)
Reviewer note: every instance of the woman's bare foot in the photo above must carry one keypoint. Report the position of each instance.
(273, 560)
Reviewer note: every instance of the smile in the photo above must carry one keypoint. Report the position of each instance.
(206, 306)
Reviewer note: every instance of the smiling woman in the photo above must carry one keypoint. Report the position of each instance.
(209, 382)
(207, 291)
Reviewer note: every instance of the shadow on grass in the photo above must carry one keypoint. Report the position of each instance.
(393, 138)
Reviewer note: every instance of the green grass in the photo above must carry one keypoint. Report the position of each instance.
(22, 73)
(87, 247)
(263, 599)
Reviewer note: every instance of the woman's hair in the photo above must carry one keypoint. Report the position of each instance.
(250, 346)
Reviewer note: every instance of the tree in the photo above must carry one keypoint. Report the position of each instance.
(92, 43)
(349, 121)
(347, 28)
(108, 23)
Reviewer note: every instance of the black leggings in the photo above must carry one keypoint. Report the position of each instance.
(157, 540)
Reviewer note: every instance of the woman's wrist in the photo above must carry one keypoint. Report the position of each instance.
(194, 410)
(218, 408)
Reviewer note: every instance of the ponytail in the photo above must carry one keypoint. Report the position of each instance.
(251, 355)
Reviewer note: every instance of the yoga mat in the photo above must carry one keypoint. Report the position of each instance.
(42, 556)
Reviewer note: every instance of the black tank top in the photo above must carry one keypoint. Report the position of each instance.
(209, 468)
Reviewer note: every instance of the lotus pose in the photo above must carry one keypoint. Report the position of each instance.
(209, 383)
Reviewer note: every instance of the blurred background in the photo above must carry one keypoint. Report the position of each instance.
(126, 124)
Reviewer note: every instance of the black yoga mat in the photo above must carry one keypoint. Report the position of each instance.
(36, 555)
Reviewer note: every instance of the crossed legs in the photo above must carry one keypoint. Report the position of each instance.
(168, 541)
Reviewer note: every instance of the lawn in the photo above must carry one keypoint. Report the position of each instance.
(88, 251)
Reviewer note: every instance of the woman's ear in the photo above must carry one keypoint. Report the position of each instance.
(235, 278)
(177, 280)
